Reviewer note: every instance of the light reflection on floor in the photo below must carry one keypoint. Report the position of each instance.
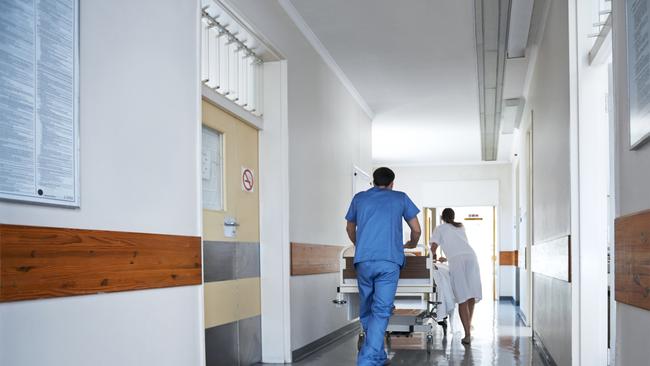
(499, 338)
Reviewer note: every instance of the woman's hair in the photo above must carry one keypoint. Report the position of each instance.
(448, 216)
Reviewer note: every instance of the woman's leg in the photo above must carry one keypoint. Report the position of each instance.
(471, 303)
(463, 312)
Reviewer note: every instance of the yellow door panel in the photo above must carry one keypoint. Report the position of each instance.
(240, 150)
(220, 299)
(249, 297)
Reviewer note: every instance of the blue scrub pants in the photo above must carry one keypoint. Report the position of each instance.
(377, 281)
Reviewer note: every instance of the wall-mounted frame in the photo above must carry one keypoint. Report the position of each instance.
(361, 180)
(39, 102)
(638, 70)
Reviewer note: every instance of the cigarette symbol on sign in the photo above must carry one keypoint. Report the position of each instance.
(248, 180)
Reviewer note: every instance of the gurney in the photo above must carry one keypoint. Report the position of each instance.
(416, 300)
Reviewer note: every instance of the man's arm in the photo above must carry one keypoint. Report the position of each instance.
(351, 228)
(414, 224)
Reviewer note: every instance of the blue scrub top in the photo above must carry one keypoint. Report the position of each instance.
(378, 213)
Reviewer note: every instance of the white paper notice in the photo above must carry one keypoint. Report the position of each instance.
(38, 129)
(638, 63)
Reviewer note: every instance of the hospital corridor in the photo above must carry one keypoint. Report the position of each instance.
(324, 182)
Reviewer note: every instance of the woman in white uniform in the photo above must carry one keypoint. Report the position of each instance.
(463, 267)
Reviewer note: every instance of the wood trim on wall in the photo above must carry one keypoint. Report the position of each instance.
(414, 267)
(44, 262)
(509, 258)
(552, 258)
(632, 258)
(309, 259)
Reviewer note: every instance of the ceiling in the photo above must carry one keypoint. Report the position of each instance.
(414, 63)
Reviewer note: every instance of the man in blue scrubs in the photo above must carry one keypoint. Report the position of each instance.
(375, 227)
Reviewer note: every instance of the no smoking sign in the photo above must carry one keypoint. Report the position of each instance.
(247, 180)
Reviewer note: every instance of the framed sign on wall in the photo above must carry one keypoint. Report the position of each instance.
(39, 94)
(638, 70)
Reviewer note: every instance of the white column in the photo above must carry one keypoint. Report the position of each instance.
(590, 180)
(274, 217)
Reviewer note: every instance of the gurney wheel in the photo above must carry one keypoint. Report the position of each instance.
(362, 338)
(429, 343)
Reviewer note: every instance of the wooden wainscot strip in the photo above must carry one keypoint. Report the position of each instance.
(42, 262)
(309, 259)
(552, 258)
(415, 267)
(633, 260)
(509, 258)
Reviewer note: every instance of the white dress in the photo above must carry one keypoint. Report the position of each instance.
(463, 264)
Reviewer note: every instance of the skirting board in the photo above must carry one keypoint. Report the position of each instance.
(546, 356)
(325, 341)
(520, 314)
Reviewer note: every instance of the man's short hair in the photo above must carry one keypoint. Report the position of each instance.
(383, 177)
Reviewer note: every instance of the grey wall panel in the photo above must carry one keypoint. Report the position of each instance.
(236, 343)
(218, 261)
(247, 260)
(552, 316)
(225, 261)
(250, 343)
(221, 345)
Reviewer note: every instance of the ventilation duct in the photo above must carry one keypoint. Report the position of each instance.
(492, 18)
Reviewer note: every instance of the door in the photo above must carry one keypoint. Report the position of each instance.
(231, 248)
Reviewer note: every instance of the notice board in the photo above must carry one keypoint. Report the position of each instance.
(638, 69)
(39, 119)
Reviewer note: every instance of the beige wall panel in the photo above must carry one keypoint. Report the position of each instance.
(249, 297)
(229, 301)
(247, 202)
(220, 303)
(241, 149)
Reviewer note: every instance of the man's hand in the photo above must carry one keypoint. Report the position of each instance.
(414, 224)
(442, 259)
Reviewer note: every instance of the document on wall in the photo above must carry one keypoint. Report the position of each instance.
(638, 65)
(38, 101)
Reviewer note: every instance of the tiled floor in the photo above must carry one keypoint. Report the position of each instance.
(499, 338)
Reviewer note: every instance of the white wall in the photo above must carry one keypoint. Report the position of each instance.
(479, 181)
(632, 195)
(140, 128)
(548, 110)
(328, 134)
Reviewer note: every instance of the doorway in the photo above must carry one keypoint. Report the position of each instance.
(480, 226)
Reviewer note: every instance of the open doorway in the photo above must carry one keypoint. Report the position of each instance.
(480, 226)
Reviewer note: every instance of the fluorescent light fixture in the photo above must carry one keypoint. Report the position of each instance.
(491, 18)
